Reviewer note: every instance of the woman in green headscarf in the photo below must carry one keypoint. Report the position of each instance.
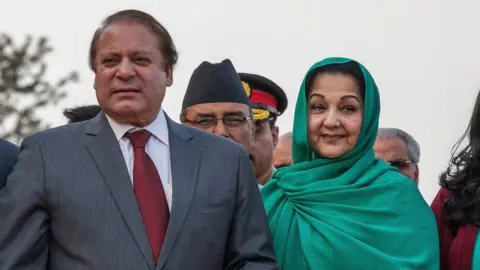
(337, 207)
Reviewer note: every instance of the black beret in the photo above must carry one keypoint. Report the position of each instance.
(212, 83)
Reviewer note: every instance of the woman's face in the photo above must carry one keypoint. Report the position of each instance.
(335, 114)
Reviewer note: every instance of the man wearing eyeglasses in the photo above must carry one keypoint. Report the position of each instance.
(268, 102)
(399, 149)
(215, 101)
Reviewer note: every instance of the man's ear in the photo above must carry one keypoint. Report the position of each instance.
(169, 76)
(417, 174)
(275, 133)
(252, 130)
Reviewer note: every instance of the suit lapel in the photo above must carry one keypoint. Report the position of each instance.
(104, 148)
(185, 160)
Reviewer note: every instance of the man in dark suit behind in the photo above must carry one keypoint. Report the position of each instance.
(8, 156)
(81, 113)
(131, 189)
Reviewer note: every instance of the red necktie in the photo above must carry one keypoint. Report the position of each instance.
(149, 192)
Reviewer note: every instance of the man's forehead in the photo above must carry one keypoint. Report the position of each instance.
(114, 51)
(219, 108)
(391, 146)
(132, 36)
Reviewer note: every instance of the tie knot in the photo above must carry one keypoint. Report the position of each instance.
(139, 139)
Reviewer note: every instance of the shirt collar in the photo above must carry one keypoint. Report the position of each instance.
(158, 127)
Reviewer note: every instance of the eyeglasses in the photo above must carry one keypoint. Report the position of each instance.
(231, 121)
(399, 164)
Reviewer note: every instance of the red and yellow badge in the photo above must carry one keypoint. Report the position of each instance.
(258, 114)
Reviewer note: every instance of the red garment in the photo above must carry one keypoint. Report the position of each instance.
(149, 192)
(456, 252)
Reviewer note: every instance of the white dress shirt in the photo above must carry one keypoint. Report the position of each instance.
(157, 148)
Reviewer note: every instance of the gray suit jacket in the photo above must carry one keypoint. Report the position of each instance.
(8, 157)
(69, 204)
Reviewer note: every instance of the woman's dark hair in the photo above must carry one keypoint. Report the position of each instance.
(462, 177)
(350, 68)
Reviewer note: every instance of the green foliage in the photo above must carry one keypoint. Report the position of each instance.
(23, 87)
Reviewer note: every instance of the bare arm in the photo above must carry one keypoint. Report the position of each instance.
(24, 216)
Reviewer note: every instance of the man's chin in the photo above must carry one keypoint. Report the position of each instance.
(131, 114)
(123, 113)
(127, 107)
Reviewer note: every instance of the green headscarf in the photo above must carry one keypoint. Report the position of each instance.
(352, 212)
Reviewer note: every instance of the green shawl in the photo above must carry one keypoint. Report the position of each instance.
(352, 212)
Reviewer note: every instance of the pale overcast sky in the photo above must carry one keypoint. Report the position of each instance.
(423, 54)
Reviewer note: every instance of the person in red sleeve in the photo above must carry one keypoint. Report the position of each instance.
(457, 204)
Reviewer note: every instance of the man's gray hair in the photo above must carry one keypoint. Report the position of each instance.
(413, 148)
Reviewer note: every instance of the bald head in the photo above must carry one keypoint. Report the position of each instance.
(282, 156)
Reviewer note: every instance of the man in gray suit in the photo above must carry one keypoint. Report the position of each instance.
(131, 189)
(8, 156)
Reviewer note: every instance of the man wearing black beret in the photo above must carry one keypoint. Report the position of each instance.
(215, 101)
